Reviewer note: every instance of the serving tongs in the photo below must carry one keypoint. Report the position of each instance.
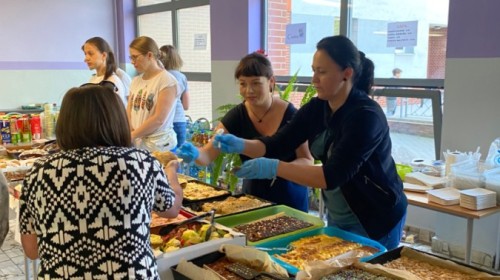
(168, 228)
(212, 222)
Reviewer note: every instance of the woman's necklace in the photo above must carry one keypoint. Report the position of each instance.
(265, 113)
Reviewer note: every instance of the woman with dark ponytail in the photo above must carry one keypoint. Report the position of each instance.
(349, 133)
(99, 57)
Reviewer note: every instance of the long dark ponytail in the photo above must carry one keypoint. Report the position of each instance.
(103, 46)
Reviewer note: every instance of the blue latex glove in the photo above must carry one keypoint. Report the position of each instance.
(229, 143)
(258, 168)
(188, 152)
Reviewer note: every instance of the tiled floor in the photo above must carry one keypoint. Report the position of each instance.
(11, 259)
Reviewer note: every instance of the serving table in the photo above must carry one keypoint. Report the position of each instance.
(420, 200)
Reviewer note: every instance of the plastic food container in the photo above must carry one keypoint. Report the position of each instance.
(253, 215)
(330, 231)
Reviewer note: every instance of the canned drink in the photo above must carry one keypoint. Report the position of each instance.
(15, 137)
(5, 124)
(36, 127)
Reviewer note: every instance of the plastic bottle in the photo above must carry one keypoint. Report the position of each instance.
(48, 120)
(493, 158)
(26, 131)
(15, 136)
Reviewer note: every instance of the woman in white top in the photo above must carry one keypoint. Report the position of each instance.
(152, 98)
(100, 57)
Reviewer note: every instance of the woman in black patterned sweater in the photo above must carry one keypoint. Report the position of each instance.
(85, 211)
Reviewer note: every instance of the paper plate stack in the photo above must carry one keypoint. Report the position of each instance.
(445, 196)
(477, 199)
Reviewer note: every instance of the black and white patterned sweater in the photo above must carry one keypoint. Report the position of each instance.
(91, 210)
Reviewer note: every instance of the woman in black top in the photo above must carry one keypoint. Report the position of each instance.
(349, 133)
(260, 114)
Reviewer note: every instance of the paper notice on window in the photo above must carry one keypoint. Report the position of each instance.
(200, 41)
(295, 33)
(402, 34)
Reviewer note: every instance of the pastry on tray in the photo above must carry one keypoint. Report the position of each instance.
(267, 228)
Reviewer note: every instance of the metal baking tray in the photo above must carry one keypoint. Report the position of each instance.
(187, 201)
(196, 207)
(396, 254)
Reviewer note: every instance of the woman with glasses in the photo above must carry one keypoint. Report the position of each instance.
(153, 94)
(86, 211)
(260, 114)
(99, 57)
(348, 132)
(172, 62)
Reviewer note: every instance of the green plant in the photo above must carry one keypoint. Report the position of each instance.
(223, 165)
(290, 87)
(308, 95)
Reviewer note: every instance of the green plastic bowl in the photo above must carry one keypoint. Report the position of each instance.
(402, 170)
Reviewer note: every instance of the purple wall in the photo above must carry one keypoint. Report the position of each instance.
(235, 27)
(125, 27)
(473, 29)
(41, 36)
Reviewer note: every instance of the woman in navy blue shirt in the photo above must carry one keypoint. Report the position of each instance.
(348, 132)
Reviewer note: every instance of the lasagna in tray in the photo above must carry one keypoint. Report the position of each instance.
(320, 247)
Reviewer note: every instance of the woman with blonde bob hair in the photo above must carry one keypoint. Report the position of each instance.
(90, 204)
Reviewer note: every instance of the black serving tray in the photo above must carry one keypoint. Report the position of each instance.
(195, 207)
(396, 254)
(199, 261)
(187, 201)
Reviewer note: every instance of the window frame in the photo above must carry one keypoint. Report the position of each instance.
(173, 7)
(432, 86)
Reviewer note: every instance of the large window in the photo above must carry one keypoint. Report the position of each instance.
(157, 26)
(374, 26)
(409, 35)
(186, 25)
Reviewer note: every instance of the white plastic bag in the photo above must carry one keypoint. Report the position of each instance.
(466, 175)
(493, 158)
(492, 180)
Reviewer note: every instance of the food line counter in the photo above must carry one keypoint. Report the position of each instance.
(168, 259)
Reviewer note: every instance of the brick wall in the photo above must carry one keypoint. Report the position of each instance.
(279, 12)
(437, 53)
